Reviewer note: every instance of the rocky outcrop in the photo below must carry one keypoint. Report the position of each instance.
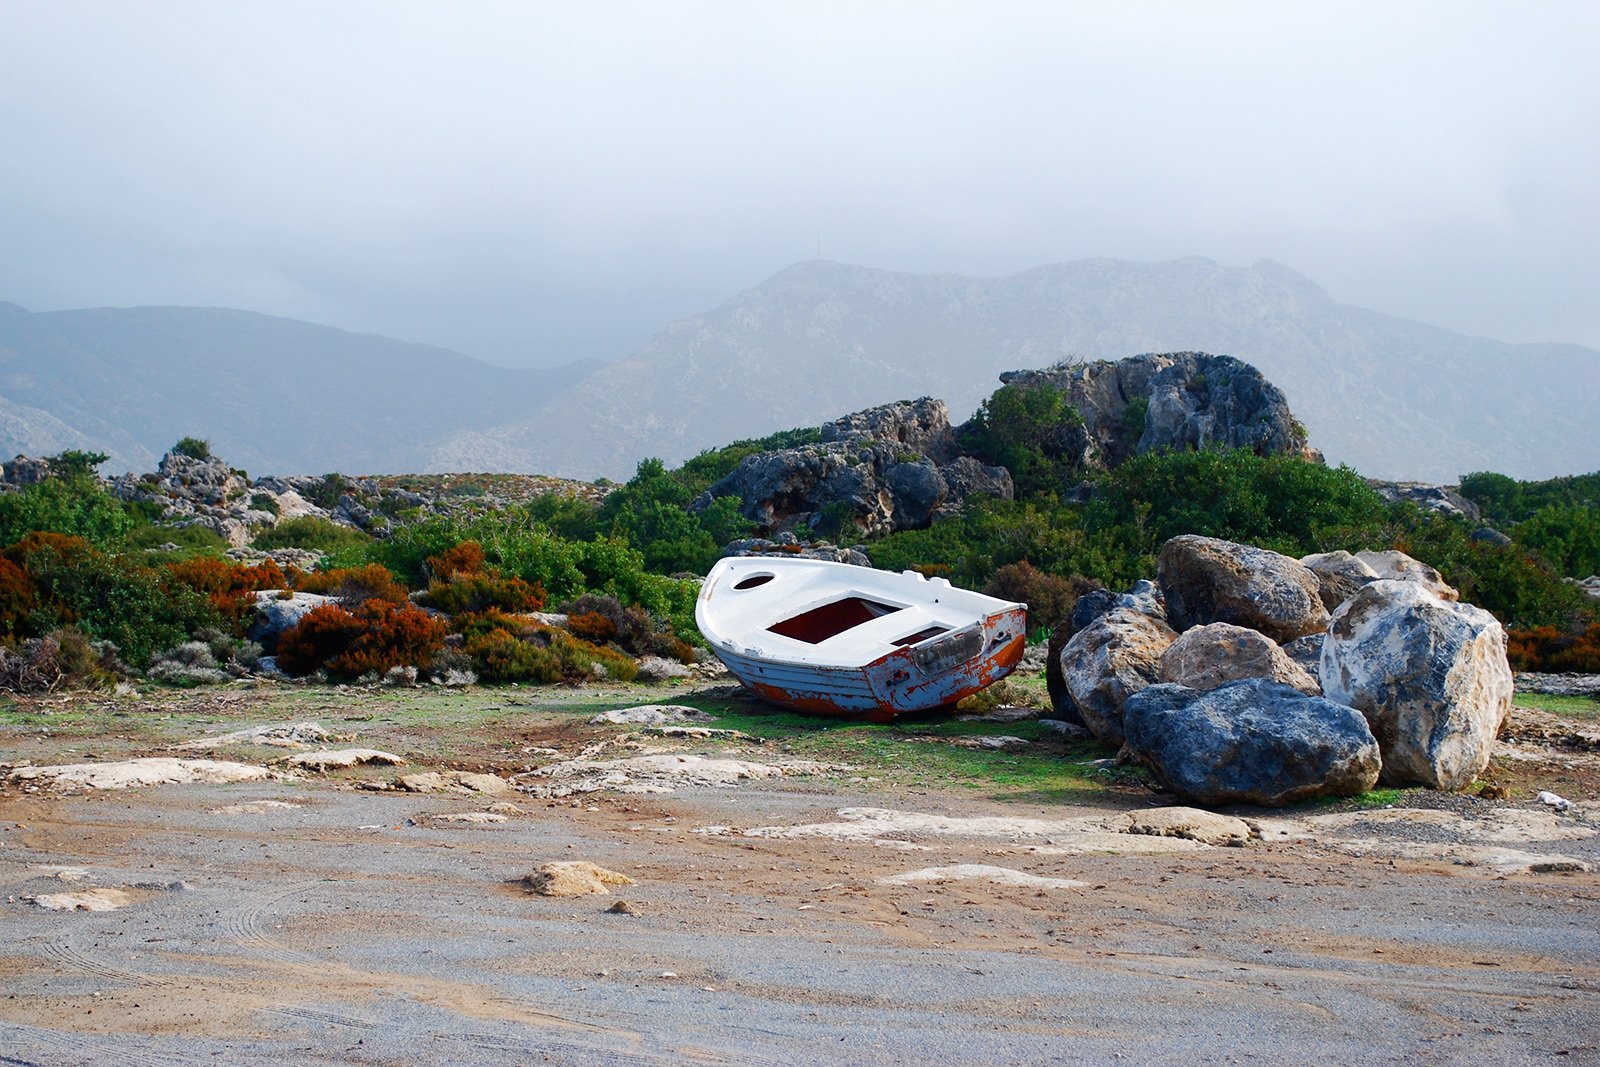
(1108, 661)
(787, 544)
(1430, 675)
(1206, 580)
(1206, 657)
(1176, 400)
(887, 468)
(1255, 742)
(1440, 499)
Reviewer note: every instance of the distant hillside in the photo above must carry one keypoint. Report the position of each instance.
(272, 394)
(1391, 397)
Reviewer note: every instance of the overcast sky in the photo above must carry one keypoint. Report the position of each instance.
(532, 183)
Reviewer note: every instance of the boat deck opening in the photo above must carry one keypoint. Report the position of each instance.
(831, 619)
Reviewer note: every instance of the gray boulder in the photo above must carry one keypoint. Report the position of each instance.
(1108, 661)
(1253, 742)
(1339, 575)
(790, 545)
(1206, 657)
(1206, 580)
(921, 426)
(1440, 499)
(279, 609)
(1430, 675)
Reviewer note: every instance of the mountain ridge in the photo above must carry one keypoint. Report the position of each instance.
(818, 339)
(1392, 397)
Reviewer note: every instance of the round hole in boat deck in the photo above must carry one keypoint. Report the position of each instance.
(753, 581)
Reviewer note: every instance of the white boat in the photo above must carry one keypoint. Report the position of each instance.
(845, 640)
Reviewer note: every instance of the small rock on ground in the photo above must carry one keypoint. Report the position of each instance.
(573, 879)
(341, 758)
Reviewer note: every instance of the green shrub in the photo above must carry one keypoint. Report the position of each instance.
(192, 541)
(193, 447)
(313, 533)
(78, 505)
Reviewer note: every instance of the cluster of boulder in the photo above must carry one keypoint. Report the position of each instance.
(1243, 675)
(903, 466)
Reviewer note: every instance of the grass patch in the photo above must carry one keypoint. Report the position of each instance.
(1574, 707)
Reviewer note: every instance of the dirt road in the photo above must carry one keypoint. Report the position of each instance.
(785, 919)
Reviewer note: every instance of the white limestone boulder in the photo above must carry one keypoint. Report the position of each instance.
(1429, 674)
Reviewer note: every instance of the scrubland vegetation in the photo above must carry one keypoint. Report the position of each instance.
(92, 588)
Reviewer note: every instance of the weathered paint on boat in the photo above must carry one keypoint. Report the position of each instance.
(862, 670)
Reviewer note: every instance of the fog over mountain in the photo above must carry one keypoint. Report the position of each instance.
(273, 395)
(1390, 397)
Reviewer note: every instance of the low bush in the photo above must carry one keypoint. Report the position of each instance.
(353, 585)
(63, 658)
(600, 618)
(229, 586)
(371, 637)
(193, 447)
(1545, 648)
(480, 592)
(517, 652)
(1049, 597)
(312, 533)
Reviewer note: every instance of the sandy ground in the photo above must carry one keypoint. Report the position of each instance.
(779, 920)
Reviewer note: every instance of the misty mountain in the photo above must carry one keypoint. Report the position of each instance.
(1391, 397)
(272, 395)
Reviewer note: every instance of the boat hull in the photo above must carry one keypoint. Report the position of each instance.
(905, 680)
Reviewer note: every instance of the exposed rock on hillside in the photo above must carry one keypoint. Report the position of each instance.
(1177, 400)
(1443, 499)
(887, 468)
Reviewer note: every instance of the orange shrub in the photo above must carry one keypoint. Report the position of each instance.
(1545, 648)
(592, 626)
(374, 636)
(354, 585)
(64, 546)
(227, 585)
(481, 592)
(462, 560)
(16, 597)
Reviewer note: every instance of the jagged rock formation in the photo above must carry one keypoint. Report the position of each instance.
(1177, 400)
(1441, 499)
(888, 468)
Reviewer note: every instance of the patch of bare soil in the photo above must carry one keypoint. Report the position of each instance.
(771, 917)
